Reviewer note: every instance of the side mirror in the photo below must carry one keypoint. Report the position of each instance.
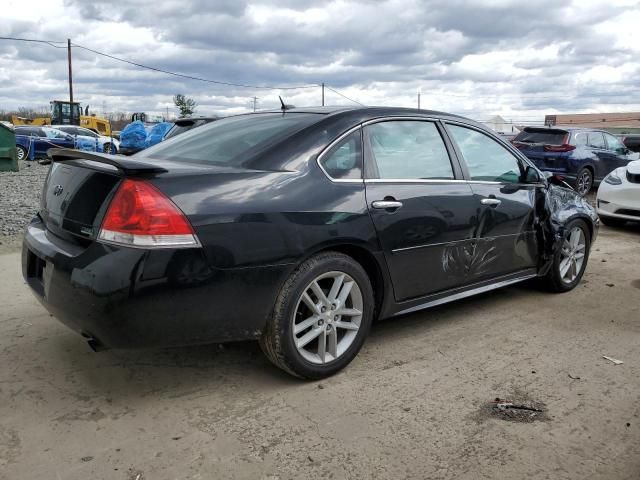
(531, 175)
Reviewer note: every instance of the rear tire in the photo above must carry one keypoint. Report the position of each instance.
(570, 261)
(584, 181)
(612, 221)
(334, 323)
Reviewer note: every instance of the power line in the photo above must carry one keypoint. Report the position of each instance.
(160, 70)
(33, 40)
(191, 77)
(350, 99)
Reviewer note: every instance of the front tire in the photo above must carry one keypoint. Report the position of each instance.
(110, 148)
(570, 261)
(321, 318)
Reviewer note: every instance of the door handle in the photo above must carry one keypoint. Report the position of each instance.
(386, 204)
(492, 202)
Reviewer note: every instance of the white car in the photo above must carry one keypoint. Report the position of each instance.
(108, 144)
(618, 199)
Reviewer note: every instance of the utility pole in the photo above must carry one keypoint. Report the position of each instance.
(167, 119)
(70, 79)
(255, 103)
(323, 94)
(418, 100)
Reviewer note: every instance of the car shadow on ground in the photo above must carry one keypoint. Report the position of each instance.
(133, 375)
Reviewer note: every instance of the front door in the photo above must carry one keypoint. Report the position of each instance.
(505, 239)
(419, 203)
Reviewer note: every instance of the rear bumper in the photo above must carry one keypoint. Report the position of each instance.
(130, 298)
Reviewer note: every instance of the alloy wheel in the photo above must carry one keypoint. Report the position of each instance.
(20, 153)
(327, 317)
(583, 183)
(107, 148)
(572, 255)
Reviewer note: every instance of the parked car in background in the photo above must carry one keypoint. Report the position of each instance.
(185, 124)
(297, 229)
(618, 199)
(581, 156)
(106, 144)
(631, 141)
(40, 139)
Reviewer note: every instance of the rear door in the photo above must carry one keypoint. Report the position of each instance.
(505, 240)
(419, 203)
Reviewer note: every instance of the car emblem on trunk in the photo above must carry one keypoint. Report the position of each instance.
(57, 190)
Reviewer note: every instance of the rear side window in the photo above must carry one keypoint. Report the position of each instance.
(581, 139)
(486, 159)
(596, 140)
(344, 160)
(408, 150)
(541, 135)
(231, 140)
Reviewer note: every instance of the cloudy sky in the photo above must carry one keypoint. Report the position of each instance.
(520, 58)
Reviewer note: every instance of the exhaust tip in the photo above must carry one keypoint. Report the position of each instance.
(95, 344)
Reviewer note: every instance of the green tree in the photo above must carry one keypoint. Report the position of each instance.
(186, 105)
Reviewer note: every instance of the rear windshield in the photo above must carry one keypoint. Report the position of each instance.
(231, 140)
(546, 136)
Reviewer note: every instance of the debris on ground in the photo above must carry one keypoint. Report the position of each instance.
(611, 284)
(573, 378)
(516, 409)
(617, 362)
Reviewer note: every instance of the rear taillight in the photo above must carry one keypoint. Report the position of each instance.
(565, 147)
(139, 215)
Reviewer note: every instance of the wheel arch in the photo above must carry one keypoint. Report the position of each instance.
(367, 259)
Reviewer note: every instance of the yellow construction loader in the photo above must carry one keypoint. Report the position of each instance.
(61, 114)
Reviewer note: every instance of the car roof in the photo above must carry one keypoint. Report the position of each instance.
(361, 114)
(565, 129)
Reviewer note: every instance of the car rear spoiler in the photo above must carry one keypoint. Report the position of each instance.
(126, 165)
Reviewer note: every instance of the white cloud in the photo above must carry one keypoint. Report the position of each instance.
(518, 59)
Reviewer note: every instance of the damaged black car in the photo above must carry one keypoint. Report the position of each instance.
(297, 228)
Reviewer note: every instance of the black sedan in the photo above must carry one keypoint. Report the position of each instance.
(297, 228)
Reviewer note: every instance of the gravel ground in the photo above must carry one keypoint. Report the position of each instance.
(19, 200)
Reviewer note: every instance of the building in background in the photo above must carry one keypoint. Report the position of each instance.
(500, 125)
(617, 123)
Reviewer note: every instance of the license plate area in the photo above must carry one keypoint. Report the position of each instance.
(35, 272)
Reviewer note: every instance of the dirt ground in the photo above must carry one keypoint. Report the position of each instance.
(414, 404)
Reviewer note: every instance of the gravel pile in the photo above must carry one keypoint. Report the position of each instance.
(20, 196)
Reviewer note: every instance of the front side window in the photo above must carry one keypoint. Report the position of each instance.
(614, 144)
(86, 132)
(486, 159)
(412, 150)
(596, 140)
(344, 160)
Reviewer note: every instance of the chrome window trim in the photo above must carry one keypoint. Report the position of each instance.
(409, 180)
(326, 149)
(396, 118)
